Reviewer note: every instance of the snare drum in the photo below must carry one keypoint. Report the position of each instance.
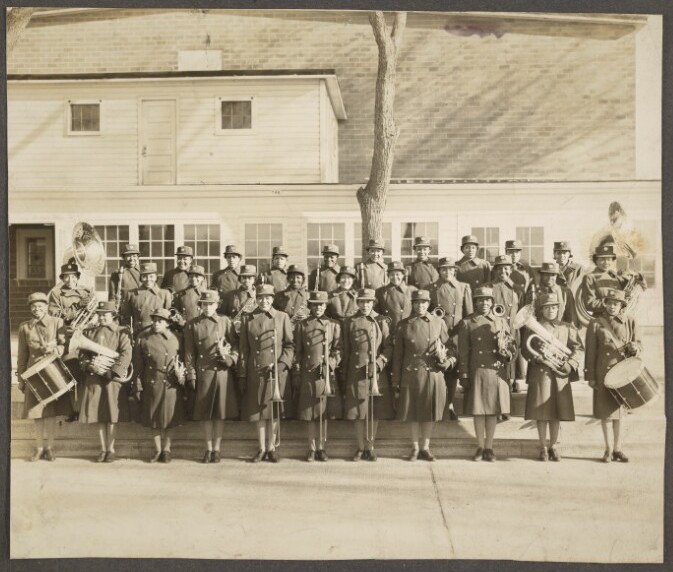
(631, 383)
(48, 379)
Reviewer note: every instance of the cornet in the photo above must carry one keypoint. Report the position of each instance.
(498, 310)
(439, 312)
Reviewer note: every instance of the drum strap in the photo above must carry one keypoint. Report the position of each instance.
(611, 332)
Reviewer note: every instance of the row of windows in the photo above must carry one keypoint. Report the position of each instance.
(157, 243)
(85, 117)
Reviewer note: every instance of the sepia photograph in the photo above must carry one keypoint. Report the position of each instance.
(328, 285)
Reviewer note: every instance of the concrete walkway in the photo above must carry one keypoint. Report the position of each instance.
(577, 510)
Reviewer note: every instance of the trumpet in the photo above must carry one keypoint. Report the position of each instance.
(276, 398)
(555, 355)
(498, 310)
(370, 420)
(247, 308)
(439, 312)
(177, 319)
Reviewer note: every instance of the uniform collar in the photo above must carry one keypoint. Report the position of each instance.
(426, 318)
(472, 261)
(113, 327)
(371, 317)
(43, 320)
(281, 270)
(377, 263)
(322, 319)
(163, 334)
(212, 318)
(618, 318)
(230, 269)
(490, 317)
(154, 289)
(507, 282)
(422, 262)
(452, 282)
(271, 313)
(335, 269)
(401, 288)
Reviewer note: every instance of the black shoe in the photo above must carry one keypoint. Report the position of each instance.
(272, 457)
(478, 454)
(515, 386)
(489, 455)
(156, 457)
(260, 456)
(544, 454)
(359, 454)
(101, 457)
(504, 417)
(166, 457)
(321, 455)
(365, 455)
(372, 455)
(215, 456)
(428, 456)
(414, 455)
(72, 417)
(265, 456)
(422, 455)
(111, 457)
(619, 457)
(206, 457)
(452, 415)
(554, 455)
(312, 455)
(48, 455)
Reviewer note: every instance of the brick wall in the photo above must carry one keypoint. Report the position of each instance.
(546, 100)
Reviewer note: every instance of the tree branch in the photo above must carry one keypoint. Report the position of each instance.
(17, 20)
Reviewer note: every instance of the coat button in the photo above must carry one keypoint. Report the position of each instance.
(415, 369)
(478, 339)
(481, 352)
(200, 355)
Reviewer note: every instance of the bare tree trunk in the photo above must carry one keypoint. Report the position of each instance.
(372, 197)
(17, 20)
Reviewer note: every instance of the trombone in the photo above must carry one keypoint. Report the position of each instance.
(276, 398)
(373, 389)
(327, 391)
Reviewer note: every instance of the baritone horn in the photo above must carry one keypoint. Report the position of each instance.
(104, 357)
(549, 350)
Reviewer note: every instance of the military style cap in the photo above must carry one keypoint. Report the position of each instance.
(549, 268)
(38, 297)
(184, 251)
(396, 265)
(330, 249)
(148, 268)
(296, 269)
(549, 300)
(279, 251)
(265, 290)
(502, 260)
(232, 249)
(469, 239)
(317, 297)
(513, 245)
(562, 245)
(104, 307)
(483, 292)
(447, 262)
(607, 250)
(130, 249)
(161, 313)
(196, 269)
(376, 244)
(422, 295)
(70, 268)
(366, 294)
(349, 270)
(422, 241)
(617, 295)
(248, 270)
(209, 297)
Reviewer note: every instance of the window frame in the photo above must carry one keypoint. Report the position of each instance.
(233, 99)
(22, 234)
(272, 243)
(528, 247)
(68, 117)
(407, 259)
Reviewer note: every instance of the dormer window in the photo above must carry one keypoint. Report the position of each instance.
(84, 118)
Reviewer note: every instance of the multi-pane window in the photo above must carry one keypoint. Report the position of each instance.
(259, 242)
(157, 244)
(236, 114)
(411, 230)
(489, 241)
(36, 251)
(646, 257)
(320, 234)
(114, 238)
(84, 118)
(387, 232)
(532, 241)
(204, 239)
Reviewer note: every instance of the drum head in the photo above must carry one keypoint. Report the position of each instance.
(38, 366)
(624, 373)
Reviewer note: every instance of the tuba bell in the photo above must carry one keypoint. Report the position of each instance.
(88, 249)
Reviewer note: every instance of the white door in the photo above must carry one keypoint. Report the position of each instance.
(157, 142)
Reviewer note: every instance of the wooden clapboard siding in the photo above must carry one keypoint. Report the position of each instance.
(283, 146)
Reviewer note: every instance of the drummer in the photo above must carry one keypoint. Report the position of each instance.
(611, 338)
(41, 336)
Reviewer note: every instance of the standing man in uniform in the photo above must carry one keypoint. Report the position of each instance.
(394, 299)
(328, 271)
(226, 280)
(177, 278)
(422, 353)
(242, 297)
(569, 271)
(421, 273)
(522, 273)
(567, 312)
(455, 300)
(373, 272)
(294, 299)
(127, 278)
(277, 275)
(260, 364)
(471, 269)
(343, 300)
(140, 303)
(186, 301)
(211, 354)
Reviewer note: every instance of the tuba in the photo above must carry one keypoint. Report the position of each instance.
(555, 355)
(87, 248)
(632, 291)
(103, 359)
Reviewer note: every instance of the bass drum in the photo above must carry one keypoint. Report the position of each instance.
(577, 287)
(631, 383)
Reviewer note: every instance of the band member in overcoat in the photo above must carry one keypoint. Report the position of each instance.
(186, 301)
(260, 365)
(455, 300)
(472, 270)
(569, 270)
(317, 352)
(373, 272)
(367, 347)
(211, 355)
(549, 399)
(421, 272)
(294, 299)
(105, 398)
(41, 336)
(611, 337)
(160, 379)
(177, 278)
(139, 304)
(423, 351)
(394, 299)
(485, 347)
(244, 296)
(226, 280)
(127, 277)
(522, 273)
(326, 275)
(567, 312)
(277, 274)
(343, 300)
